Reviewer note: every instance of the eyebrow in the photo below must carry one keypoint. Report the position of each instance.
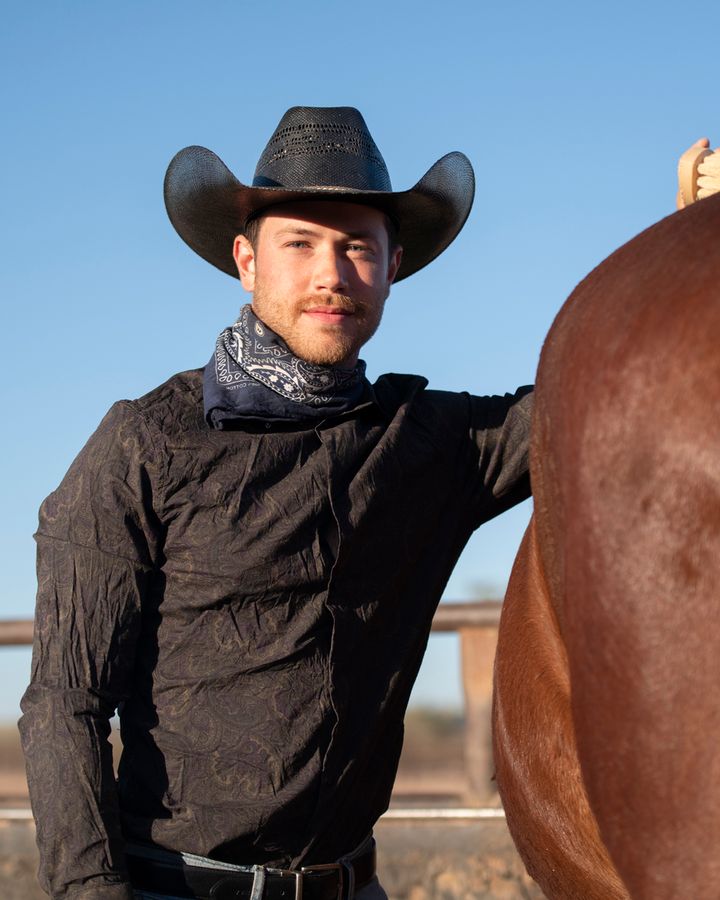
(310, 232)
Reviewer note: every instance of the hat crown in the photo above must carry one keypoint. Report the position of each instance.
(325, 147)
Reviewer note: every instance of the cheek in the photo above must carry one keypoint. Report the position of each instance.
(372, 277)
(278, 289)
(289, 287)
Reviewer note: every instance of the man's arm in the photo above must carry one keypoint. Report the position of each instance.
(97, 545)
(500, 436)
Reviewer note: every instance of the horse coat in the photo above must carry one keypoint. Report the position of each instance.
(607, 697)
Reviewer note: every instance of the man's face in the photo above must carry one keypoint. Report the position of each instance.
(320, 272)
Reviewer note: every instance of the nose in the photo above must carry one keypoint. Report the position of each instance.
(330, 271)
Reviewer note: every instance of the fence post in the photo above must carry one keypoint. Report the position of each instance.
(477, 648)
(477, 625)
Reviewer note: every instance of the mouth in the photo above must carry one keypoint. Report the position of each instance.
(330, 315)
(332, 309)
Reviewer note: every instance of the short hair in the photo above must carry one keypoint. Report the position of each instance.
(252, 229)
(393, 232)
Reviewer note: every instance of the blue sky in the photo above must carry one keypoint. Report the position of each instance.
(572, 114)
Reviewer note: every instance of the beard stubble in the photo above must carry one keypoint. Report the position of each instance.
(321, 344)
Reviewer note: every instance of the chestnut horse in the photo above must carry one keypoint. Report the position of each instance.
(607, 675)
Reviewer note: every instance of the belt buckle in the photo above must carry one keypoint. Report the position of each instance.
(308, 870)
(296, 874)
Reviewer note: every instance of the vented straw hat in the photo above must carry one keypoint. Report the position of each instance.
(316, 153)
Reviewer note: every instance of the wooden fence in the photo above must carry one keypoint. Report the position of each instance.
(476, 624)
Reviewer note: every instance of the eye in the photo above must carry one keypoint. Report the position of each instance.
(299, 244)
(362, 249)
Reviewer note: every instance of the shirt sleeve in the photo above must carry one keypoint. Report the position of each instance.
(98, 543)
(500, 441)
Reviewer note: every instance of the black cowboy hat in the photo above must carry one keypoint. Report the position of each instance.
(316, 153)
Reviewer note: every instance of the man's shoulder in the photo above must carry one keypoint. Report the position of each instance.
(176, 404)
(447, 409)
(395, 390)
(430, 410)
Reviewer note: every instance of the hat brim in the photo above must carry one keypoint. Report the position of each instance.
(208, 206)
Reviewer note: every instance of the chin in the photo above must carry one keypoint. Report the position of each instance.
(328, 359)
(325, 354)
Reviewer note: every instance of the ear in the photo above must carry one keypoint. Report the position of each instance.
(244, 257)
(394, 263)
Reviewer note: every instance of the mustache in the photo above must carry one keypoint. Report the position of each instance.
(331, 301)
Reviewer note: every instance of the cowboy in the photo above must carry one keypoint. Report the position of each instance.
(245, 562)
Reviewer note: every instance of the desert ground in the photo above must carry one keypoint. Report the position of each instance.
(418, 859)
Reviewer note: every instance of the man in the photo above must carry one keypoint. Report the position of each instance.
(246, 561)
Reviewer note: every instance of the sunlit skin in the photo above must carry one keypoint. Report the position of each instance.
(320, 273)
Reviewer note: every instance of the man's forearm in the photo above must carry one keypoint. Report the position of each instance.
(73, 794)
(96, 553)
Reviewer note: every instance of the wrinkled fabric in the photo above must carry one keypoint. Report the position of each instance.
(253, 375)
(256, 603)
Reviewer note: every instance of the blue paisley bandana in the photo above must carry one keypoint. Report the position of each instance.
(253, 375)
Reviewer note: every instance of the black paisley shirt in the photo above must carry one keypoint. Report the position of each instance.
(256, 603)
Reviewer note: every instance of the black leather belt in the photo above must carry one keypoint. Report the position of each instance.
(169, 873)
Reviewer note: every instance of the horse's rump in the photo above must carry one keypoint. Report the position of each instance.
(626, 478)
